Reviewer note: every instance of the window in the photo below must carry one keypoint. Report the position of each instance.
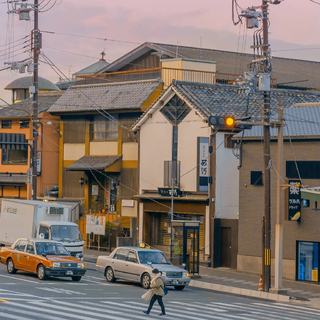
(307, 169)
(30, 248)
(132, 257)
(10, 156)
(24, 124)
(308, 261)
(16, 247)
(105, 128)
(45, 231)
(6, 124)
(20, 246)
(121, 254)
(256, 178)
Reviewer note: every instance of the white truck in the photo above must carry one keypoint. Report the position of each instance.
(36, 219)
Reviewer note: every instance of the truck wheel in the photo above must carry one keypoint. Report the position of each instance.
(110, 275)
(10, 267)
(76, 278)
(41, 272)
(179, 287)
(145, 281)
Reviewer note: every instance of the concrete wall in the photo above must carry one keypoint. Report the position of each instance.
(189, 130)
(227, 181)
(155, 148)
(251, 206)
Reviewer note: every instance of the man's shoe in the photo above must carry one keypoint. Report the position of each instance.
(162, 314)
(145, 312)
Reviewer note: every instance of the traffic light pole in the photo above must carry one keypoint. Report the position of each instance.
(36, 50)
(266, 257)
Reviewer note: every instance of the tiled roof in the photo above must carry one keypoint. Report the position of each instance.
(26, 82)
(211, 99)
(12, 179)
(126, 95)
(288, 72)
(45, 102)
(93, 163)
(300, 122)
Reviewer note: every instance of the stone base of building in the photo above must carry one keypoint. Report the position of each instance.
(251, 264)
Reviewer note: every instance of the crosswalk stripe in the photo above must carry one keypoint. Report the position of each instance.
(10, 316)
(298, 307)
(30, 313)
(175, 314)
(283, 308)
(46, 310)
(18, 278)
(187, 304)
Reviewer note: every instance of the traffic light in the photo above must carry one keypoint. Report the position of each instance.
(222, 122)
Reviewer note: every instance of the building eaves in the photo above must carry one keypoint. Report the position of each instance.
(93, 163)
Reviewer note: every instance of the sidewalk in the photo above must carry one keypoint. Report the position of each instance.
(297, 290)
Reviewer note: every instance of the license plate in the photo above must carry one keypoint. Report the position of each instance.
(175, 281)
(69, 273)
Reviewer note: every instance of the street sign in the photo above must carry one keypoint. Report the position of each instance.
(29, 176)
(166, 192)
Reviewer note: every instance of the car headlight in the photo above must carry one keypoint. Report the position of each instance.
(164, 273)
(81, 265)
(186, 274)
(56, 265)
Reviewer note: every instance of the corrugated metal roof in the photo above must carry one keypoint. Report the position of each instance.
(45, 102)
(126, 95)
(93, 68)
(301, 122)
(93, 163)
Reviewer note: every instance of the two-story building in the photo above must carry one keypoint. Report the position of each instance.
(98, 153)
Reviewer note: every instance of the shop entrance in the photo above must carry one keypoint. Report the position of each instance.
(308, 261)
(185, 244)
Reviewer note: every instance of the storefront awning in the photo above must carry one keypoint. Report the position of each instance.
(94, 163)
(312, 194)
(188, 197)
(14, 180)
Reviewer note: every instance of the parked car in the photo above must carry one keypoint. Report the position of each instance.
(43, 257)
(136, 264)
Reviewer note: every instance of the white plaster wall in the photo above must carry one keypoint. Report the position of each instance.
(227, 181)
(103, 148)
(73, 151)
(129, 151)
(155, 148)
(189, 130)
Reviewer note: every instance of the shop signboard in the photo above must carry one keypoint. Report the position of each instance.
(203, 161)
(294, 200)
(167, 192)
(96, 224)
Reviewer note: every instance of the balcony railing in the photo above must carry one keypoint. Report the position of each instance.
(171, 171)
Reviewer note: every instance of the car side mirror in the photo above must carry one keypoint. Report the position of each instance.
(184, 266)
(149, 264)
(80, 256)
(44, 255)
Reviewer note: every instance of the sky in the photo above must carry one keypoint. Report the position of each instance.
(75, 25)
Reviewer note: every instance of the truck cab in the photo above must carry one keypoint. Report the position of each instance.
(67, 233)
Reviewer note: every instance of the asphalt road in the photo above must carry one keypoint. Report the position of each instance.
(24, 297)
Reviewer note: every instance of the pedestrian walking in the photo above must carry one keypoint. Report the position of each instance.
(157, 288)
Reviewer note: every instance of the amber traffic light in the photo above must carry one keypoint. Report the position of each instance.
(225, 122)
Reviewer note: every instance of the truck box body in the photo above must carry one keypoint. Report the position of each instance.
(23, 218)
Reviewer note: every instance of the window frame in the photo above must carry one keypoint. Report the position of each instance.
(32, 244)
(7, 121)
(24, 122)
(135, 254)
(104, 121)
(6, 153)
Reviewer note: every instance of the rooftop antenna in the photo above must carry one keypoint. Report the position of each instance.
(177, 49)
(103, 54)
(201, 53)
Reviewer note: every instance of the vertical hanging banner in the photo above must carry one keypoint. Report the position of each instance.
(203, 161)
(294, 201)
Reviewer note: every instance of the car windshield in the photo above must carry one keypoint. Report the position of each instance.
(155, 257)
(65, 233)
(51, 248)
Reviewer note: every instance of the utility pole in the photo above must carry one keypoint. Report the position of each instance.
(279, 226)
(171, 214)
(266, 151)
(36, 51)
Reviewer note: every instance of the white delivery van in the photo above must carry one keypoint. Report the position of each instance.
(36, 219)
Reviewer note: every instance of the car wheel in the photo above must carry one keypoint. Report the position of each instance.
(41, 272)
(10, 267)
(179, 287)
(145, 281)
(110, 275)
(76, 278)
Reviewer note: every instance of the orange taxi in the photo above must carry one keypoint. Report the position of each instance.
(42, 257)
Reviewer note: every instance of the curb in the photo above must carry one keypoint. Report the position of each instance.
(239, 291)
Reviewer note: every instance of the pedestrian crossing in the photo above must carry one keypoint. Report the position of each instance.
(124, 309)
